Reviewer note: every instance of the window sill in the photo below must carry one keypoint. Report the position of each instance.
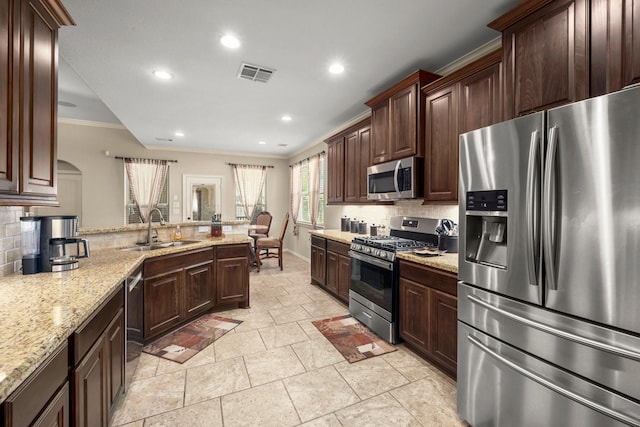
(309, 226)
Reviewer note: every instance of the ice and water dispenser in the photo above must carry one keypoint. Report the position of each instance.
(486, 229)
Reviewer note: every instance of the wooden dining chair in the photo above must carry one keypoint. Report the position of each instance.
(263, 218)
(267, 243)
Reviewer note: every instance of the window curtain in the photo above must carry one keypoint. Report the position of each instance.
(146, 179)
(250, 181)
(314, 188)
(296, 194)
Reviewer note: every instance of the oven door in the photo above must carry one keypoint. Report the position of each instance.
(373, 280)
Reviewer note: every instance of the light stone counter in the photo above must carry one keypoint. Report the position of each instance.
(39, 312)
(447, 262)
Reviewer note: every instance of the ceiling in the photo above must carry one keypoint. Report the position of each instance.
(107, 62)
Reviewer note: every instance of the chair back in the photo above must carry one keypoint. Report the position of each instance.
(285, 222)
(264, 218)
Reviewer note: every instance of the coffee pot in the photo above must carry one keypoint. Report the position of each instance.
(51, 243)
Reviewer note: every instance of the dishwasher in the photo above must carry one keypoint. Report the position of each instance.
(134, 318)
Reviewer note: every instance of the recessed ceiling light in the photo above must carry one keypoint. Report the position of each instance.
(163, 75)
(336, 68)
(261, 142)
(67, 104)
(230, 41)
(286, 118)
(180, 134)
(282, 145)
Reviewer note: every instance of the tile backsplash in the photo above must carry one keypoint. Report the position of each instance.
(10, 258)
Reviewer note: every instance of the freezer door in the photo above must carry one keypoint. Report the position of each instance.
(591, 209)
(499, 386)
(506, 156)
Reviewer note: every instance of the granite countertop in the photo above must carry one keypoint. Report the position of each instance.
(446, 262)
(40, 311)
(86, 231)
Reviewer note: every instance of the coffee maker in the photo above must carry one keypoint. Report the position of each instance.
(51, 243)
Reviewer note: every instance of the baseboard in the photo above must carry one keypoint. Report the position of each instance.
(304, 258)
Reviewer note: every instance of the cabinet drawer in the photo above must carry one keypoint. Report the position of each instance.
(24, 404)
(167, 263)
(87, 334)
(431, 277)
(318, 241)
(232, 251)
(337, 247)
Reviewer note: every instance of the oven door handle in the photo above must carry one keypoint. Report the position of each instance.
(371, 260)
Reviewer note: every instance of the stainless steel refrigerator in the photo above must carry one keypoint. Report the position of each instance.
(549, 267)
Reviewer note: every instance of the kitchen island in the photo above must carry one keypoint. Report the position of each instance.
(40, 312)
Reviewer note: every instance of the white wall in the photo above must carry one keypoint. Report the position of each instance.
(103, 194)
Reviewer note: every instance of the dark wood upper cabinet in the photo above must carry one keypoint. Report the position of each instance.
(615, 45)
(348, 156)
(464, 100)
(352, 157)
(335, 170)
(546, 58)
(28, 99)
(397, 119)
(441, 163)
(364, 136)
(481, 96)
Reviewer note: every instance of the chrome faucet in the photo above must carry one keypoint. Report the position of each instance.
(150, 221)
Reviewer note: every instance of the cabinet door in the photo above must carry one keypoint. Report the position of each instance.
(232, 280)
(163, 306)
(615, 45)
(333, 273)
(38, 82)
(380, 133)
(546, 58)
(403, 122)
(115, 350)
(364, 138)
(351, 165)
(480, 99)
(444, 314)
(198, 288)
(9, 156)
(318, 265)
(57, 412)
(335, 171)
(414, 313)
(441, 143)
(90, 388)
(344, 277)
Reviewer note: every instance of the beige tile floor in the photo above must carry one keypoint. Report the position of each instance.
(276, 369)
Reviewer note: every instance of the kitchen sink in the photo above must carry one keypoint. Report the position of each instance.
(160, 245)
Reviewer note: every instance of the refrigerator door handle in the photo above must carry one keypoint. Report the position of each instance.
(533, 207)
(598, 345)
(548, 233)
(551, 385)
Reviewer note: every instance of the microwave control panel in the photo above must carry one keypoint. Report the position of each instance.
(494, 200)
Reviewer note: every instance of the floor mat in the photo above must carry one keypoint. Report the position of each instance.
(353, 340)
(187, 341)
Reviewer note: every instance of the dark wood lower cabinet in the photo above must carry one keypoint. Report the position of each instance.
(337, 269)
(90, 385)
(57, 412)
(318, 260)
(428, 314)
(232, 276)
(163, 306)
(198, 289)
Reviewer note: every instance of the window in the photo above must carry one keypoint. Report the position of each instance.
(261, 205)
(133, 213)
(304, 214)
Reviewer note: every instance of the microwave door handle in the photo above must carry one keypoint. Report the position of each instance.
(395, 176)
(549, 212)
(533, 207)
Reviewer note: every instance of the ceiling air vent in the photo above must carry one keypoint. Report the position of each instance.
(255, 72)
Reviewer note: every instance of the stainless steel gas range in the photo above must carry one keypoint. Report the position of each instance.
(373, 291)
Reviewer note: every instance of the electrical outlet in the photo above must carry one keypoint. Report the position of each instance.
(226, 229)
(203, 229)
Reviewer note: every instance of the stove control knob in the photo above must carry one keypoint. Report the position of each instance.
(356, 246)
(383, 254)
(367, 250)
(376, 252)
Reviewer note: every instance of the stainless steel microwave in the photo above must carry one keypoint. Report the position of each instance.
(396, 180)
